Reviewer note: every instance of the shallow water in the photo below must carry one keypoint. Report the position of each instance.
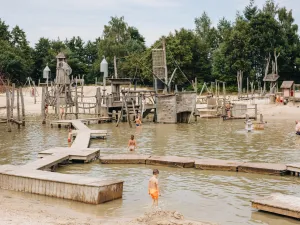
(222, 197)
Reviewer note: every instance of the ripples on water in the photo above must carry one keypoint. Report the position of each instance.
(222, 197)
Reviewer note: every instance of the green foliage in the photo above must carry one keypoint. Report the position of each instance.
(207, 52)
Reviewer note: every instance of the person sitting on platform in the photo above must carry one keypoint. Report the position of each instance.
(132, 144)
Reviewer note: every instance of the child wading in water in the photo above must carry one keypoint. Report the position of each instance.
(132, 143)
(153, 189)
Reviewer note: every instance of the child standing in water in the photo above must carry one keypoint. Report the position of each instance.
(132, 143)
(153, 188)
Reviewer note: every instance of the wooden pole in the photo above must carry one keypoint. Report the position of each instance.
(66, 102)
(23, 107)
(43, 106)
(34, 92)
(115, 67)
(165, 64)
(76, 103)
(255, 111)
(8, 109)
(58, 101)
(18, 107)
(247, 87)
(12, 101)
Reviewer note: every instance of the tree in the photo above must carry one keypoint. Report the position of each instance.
(4, 32)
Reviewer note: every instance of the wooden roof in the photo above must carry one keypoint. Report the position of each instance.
(61, 56)
(271, 77)
(287, 84)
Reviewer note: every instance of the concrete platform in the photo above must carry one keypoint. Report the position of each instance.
(285, 205)
(263, 168)
(124, 159)
(66, 186)
(175, 161)
(217, 164)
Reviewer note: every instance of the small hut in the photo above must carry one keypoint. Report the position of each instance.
(287, 88)
(272, 78)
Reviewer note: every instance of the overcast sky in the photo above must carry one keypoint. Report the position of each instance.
(86, 18)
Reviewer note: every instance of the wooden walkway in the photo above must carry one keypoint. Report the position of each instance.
(202, 164)
(285, 205)
(35, 177)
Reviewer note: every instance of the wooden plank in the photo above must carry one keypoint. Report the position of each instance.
(124, 159)
(263, 168)
(277, 203)
(294, 167)
(217, 164)
(171, 161)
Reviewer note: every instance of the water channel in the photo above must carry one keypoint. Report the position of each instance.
(221, 197)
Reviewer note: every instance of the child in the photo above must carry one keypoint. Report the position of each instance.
(132, 143)
(138, 121)
(153, 189)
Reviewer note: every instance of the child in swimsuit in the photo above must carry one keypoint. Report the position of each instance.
(138, 122)
(153, 189)
(132, 143)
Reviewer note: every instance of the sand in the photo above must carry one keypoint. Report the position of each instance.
(29, 211)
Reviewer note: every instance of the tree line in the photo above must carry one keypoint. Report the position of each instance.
(207, 52)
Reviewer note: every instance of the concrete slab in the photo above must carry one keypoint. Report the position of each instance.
(285, 205)
(176, 161)
(263, 168)
(217, 164)
(124, 159)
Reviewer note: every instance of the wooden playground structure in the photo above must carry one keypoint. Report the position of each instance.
(14, 99)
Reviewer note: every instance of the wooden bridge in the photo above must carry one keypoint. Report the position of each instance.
(35, 177)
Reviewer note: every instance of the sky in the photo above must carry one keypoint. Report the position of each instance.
(86, 18)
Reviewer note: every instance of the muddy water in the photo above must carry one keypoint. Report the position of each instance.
(221, 197)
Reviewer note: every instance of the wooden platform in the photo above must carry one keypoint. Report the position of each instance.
(217, 164)
(85, 155)
(263, 168)
(285, 205)
(124, 159)
(73, 187)
(171, 161)
(293, 167)
(35, 178)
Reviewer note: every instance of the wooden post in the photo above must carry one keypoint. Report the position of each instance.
(8, 112)
(195, 85)
(247, 87)
(34, 92)
(98, 100)
(81, 93)
(23, 107)
(18, 108)
(115, 67)
(43, 106)
(66, 102)
(165, 64)
(255, 111)
(58, 102)
(12, 101)
(261, 118)
(76, 103)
